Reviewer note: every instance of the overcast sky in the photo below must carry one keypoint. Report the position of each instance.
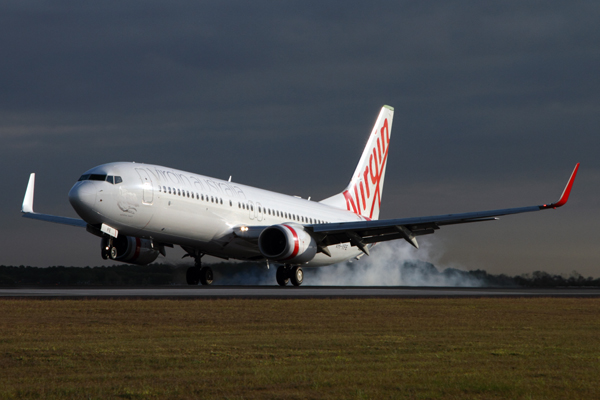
(495, 103)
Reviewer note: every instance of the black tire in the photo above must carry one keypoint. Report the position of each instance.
(192, 276)
(113, 253)
(206, 276)
(297, 276)
(282, 276)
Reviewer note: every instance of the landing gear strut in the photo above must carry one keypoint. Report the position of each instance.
(286, 273)
(198, 273)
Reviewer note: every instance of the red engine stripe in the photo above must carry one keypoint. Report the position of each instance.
(138, 246)
(296, 243)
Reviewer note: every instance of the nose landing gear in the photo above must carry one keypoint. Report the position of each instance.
(108, 248)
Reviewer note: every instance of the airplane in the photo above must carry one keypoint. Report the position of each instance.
(140, 209)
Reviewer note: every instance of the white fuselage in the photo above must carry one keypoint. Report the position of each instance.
(182, 208)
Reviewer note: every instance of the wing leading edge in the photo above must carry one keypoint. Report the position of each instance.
(365, 232)
(27, 209)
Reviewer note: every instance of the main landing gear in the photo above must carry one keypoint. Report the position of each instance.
(286, 273)
(198, 273)
(195, 275)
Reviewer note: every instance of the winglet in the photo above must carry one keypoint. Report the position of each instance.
(565, 194)
(28, 199)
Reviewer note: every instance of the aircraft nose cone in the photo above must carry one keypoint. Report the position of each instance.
(82, 197)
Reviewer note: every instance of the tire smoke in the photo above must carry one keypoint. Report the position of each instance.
(393, 263)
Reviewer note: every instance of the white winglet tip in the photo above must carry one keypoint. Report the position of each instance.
(28, 199)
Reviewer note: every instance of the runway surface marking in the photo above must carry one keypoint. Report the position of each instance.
(294, 292)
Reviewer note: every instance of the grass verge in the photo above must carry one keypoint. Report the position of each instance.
(534, 348)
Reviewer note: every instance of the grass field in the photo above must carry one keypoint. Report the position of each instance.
(295, 349)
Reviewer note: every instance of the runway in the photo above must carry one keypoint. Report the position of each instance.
(257, 292)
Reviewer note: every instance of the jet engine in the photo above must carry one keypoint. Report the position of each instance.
(287, 243)
(128, 249)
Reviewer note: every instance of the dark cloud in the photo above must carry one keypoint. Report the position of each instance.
(495, 102)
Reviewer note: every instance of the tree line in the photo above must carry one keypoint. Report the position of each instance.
(249, 273)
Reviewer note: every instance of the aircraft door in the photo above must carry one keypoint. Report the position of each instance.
(148, 190)
(259, 212)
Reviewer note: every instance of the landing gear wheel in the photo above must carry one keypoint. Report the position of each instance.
(206, 276)
(113, 253)
(192, 276)
(297, 276)
(282, 275)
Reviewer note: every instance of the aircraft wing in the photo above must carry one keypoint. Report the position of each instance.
(362, 233)
(27, 209)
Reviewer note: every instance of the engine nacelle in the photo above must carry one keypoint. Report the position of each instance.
(133, 250)
(287, 243)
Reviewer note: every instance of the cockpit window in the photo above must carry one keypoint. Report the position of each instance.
(92, 177)
(98, 177)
